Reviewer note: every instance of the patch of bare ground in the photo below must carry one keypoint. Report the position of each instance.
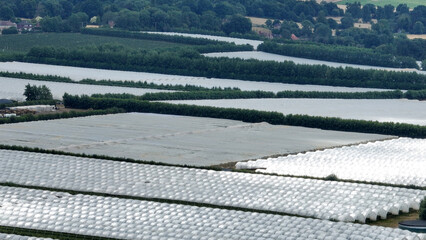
(393, 220)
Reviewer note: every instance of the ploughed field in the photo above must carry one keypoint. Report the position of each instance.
(174, 139)
(382, 110)
(78, 74)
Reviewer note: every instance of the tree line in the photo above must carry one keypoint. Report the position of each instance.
(191, 64)
(238, 94)
(326, 123)
(352, 55)
(51, 116)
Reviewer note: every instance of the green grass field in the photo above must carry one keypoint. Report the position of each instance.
(410, 3)
(24, 42)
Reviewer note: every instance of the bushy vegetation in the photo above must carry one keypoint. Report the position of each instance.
(189, 63)
(352, 55)
(51, 116)
(327, 123)
(34, 93)
(419, 95)
(422, 212)
(238, 94)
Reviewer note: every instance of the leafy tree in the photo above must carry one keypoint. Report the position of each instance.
(354, 9)
(37, 93)
(322, 33)
(52, 24)
(6, 13)
(27, 8)
(418, 28)
(347, 22)
(11, 30)
(422, 212)
(77, 20)
(237, 24)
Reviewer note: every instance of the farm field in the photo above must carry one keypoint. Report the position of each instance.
(389, 110)
(134, 219)
(340, 201)
(15, 89)
(174, 139)
(24, 42)
(264, 56)
(395, 3)
(77, 74)
(238, 41)
(398, 161)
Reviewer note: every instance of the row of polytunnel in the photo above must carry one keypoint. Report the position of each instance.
(398, 161)
(4, 236)
(134, 219)
(331, 200)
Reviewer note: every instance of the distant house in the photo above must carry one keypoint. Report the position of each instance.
(25, 26)
(294, 37)
(6, 24)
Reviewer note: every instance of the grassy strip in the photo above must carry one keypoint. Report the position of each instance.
(253, 116)
(29, 103)
(213, 168)
(51, 116)
(48, 234)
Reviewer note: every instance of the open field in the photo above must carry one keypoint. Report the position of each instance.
(389, 110)
(263, 56)
(174, 139)
(397, 161)
(15, 89)
(24, 42)
(135, 219)
(395, 3)
(238, 41)
(243, 190)
(77, 74)
(414, 36)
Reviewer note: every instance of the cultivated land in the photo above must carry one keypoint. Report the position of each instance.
(24, 42)
(389, 110)
(398, 161)
(174, 139)
(77, 74)
(15, 88)
(134, 219)
(239, 190)
(395, 3)
(258, 55)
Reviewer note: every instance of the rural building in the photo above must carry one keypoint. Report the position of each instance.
(6, 25)
(25, 26)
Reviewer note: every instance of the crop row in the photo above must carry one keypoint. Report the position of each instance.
(399, 161)
(134, 219)
(340, 201)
